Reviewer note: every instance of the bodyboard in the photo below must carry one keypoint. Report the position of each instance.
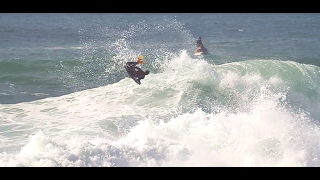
(198, 53)
(201, 53)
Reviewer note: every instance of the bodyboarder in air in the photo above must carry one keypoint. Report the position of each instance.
(135, 72)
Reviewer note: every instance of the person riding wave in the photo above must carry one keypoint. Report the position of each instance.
(136, 71)
(200, 47)
(199, 42)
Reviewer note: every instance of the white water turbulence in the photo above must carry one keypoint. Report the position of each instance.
(192, 113)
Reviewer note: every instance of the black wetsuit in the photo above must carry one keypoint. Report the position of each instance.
(134, 70)
(199, 42)
(200, 46)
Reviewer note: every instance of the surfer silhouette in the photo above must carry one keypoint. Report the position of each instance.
(200, 47)
(199, 42)
(135, 72)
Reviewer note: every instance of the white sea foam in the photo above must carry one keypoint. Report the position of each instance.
(192, 114)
